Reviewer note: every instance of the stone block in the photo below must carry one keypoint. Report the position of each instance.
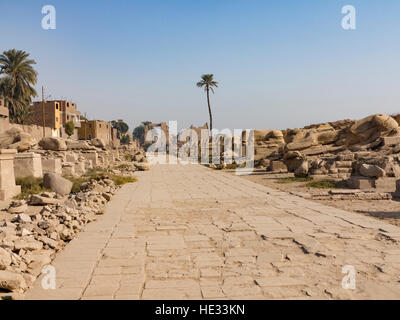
(8, 189)
(88, 164)
(386, 184)
(344, 164)
(51, 166)
(28, 164)
(360, 183)
(71, 157)
(68, 169)
(93, 156)
(277, 166)
(80, 168)
(391, 141)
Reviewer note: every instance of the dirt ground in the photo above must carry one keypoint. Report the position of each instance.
(388, 210)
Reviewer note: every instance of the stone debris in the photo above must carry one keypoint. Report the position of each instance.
(18, 206)
(28, 241)
(15, 138)
(30, 237)
(364, 153)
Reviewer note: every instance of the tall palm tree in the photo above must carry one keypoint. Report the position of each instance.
(207, 81)
(16, 82)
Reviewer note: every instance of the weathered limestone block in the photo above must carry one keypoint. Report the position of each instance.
(93, 156)
(391, 141)
(52, 166)
(57, 184)
(302, 170)
(344, 164)
(387, 184)
(346, 157)
(99, 143)
(71, 157)
(8, 189)
(78, 145)
(11, 281)
(80, 168)
(28, 165)
(277, 166)
(101, 160)
(371, 128)
(360, 183)
(368, 170)
(88, 164)
(68, 169)
(55, 144)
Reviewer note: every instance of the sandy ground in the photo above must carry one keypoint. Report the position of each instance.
(388, 210)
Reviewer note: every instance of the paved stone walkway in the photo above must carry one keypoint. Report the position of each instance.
(188, 232)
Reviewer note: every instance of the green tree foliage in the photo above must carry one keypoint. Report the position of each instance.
(121, 127)
(69, 128)
(139, 131)
(17, 78)
(125, 139)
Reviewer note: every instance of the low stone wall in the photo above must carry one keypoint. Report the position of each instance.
(37, 131)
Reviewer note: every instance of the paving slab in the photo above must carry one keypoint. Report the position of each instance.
(189, 232)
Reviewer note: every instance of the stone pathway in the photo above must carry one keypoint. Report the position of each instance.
(188, 232)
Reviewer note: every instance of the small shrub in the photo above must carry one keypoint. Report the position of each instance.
(29, 185)
(322, 184)
(120, 180)
(294, 179)
(232, 166)
(98, 174)
(129, 157)
(69, 128)
(124, 166)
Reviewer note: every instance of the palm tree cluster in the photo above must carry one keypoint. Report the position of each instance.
(17, 78)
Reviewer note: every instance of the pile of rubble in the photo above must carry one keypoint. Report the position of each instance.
(365, 153)
(30, 236)
(32, 231)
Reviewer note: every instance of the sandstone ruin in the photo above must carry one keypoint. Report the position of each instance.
(364, 153)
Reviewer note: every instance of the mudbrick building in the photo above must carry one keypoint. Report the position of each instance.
(56, 114)
(91, 129)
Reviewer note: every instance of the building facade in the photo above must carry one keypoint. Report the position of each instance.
(69, 113)
(91, 129)
(56, 114)
(52, 115)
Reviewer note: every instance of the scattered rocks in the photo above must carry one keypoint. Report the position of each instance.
(42, 200)
(11, 281)
(22, 218)
(5, 259)
(18, 206)
(30, 237)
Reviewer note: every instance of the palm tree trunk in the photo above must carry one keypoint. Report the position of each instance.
(209, 108)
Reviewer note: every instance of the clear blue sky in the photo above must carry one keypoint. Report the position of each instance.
(280, 64)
